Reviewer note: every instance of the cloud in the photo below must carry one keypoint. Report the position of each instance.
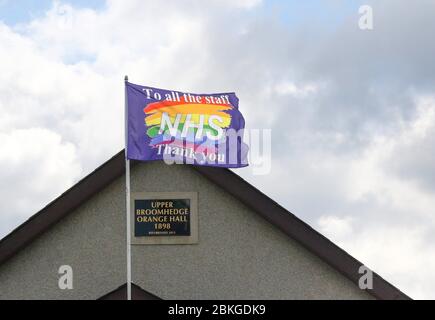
(413, 156)
(336, 226)
(36, 165)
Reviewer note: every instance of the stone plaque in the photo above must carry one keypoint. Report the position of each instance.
(164, 218)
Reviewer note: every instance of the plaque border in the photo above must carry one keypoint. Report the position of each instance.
(145, 240)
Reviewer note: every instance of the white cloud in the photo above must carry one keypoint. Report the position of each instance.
(291, 88)
(36, 165)
(335, 226)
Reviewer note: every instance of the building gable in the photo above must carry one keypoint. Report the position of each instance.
(249, 246)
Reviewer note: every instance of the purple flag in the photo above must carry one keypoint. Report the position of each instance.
(181, 127)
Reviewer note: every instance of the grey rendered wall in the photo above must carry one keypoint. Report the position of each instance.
(239, 255)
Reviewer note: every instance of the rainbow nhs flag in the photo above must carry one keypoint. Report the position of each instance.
(181, 127)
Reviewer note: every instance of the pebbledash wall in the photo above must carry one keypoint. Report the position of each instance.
(239, 254)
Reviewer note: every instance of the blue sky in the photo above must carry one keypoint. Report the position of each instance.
(326, 12)
(21, 11)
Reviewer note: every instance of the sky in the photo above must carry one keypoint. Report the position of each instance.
(352, 111)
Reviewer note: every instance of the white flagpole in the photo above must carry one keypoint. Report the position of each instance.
(127, 195)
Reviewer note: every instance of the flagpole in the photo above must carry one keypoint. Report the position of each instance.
(127, 195)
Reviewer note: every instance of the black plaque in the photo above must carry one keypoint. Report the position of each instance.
(162, 217)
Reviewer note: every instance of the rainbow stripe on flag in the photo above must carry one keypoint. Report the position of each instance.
(197, 112)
